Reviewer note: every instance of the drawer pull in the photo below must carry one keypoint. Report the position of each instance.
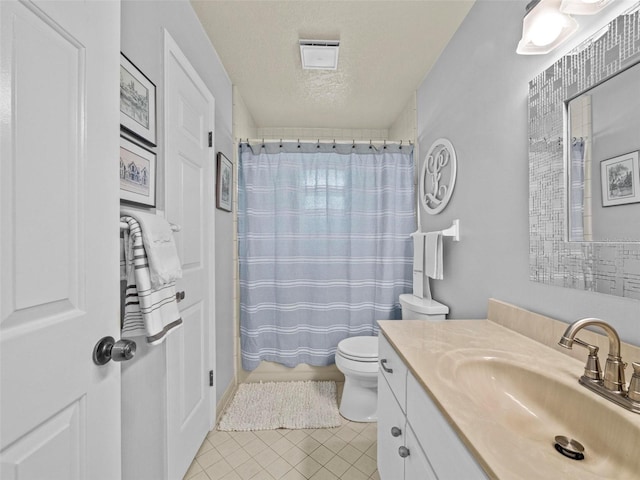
(403, 452)
(383, 362)
(395, 432)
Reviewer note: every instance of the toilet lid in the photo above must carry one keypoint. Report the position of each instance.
(361, 349)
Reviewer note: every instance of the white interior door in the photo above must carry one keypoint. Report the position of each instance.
(59, 120)
(189, 117)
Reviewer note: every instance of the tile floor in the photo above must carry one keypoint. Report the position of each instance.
(347, 452)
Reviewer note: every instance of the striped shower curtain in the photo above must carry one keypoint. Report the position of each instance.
(324, 246)
(576, 191)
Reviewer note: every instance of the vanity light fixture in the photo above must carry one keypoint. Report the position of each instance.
(583, 7)
(319, 54)
(544, 27)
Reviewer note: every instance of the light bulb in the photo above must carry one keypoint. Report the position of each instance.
(546, 29)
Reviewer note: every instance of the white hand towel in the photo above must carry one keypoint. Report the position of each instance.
(433, 255)
(418, 251)
(159, 245)
(418, 284)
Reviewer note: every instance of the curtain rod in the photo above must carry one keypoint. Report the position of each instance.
(326, 142)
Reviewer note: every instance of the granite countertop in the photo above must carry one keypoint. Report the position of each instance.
(508, 439)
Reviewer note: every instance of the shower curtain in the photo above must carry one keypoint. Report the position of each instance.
(324, 246)
(576, 191)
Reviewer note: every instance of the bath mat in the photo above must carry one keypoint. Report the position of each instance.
(272, 405)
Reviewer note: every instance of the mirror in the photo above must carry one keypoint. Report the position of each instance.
(609, 262)
(602, 161)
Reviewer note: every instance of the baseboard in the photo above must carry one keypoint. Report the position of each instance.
(225, 400)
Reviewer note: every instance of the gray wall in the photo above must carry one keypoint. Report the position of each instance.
(476, 96)
(142, 43)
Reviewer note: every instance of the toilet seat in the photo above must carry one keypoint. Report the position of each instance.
(359, 349)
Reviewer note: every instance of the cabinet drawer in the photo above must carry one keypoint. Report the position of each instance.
(447, 454)
(393, 370)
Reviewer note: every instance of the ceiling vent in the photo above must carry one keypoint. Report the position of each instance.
(319, 54)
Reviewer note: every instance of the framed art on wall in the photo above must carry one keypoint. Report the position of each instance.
(137, 174)
(224, 183)
(137, 102)
(620, 180)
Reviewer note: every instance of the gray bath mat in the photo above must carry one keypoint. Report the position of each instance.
(271, 405)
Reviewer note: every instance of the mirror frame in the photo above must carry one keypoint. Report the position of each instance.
(606, 267)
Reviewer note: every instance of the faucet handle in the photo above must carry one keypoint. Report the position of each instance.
(634, 384)
(592, 369)
(593, 350)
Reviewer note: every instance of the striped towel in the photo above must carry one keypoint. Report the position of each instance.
(150, 312)
(123, 262)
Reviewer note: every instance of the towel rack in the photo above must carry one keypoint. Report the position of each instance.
(453, 231)
(174, 227)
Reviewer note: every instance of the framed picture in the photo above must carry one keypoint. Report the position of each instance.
(137, 174)
(137, 102)
(224, 183)
(620, 180)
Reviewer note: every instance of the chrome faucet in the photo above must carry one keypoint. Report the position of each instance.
(612, 386)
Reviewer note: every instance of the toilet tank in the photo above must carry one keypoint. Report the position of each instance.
(415, 308)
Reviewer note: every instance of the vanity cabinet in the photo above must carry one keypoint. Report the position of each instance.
(399, 453)
(415, 441)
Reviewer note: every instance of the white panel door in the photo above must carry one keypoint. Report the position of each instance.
(189, 117)
(59, 120)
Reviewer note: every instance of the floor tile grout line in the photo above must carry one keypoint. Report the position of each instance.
(351, 431)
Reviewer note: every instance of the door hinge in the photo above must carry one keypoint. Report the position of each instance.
(211, 378)
(210, 139)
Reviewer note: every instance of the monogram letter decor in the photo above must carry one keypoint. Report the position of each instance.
(438, 176)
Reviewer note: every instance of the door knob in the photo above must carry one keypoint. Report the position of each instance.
(108, 349)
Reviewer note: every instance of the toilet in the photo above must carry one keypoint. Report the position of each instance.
(415, 308)
(357, 359)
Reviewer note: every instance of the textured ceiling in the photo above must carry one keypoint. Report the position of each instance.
(386, 49)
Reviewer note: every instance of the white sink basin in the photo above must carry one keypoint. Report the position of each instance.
(521, 406)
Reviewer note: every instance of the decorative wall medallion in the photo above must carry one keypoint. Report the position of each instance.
(438, 176)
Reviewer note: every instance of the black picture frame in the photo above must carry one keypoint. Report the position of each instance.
(137, 174)
(224, 183)
(137, 102)
(619, 178)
